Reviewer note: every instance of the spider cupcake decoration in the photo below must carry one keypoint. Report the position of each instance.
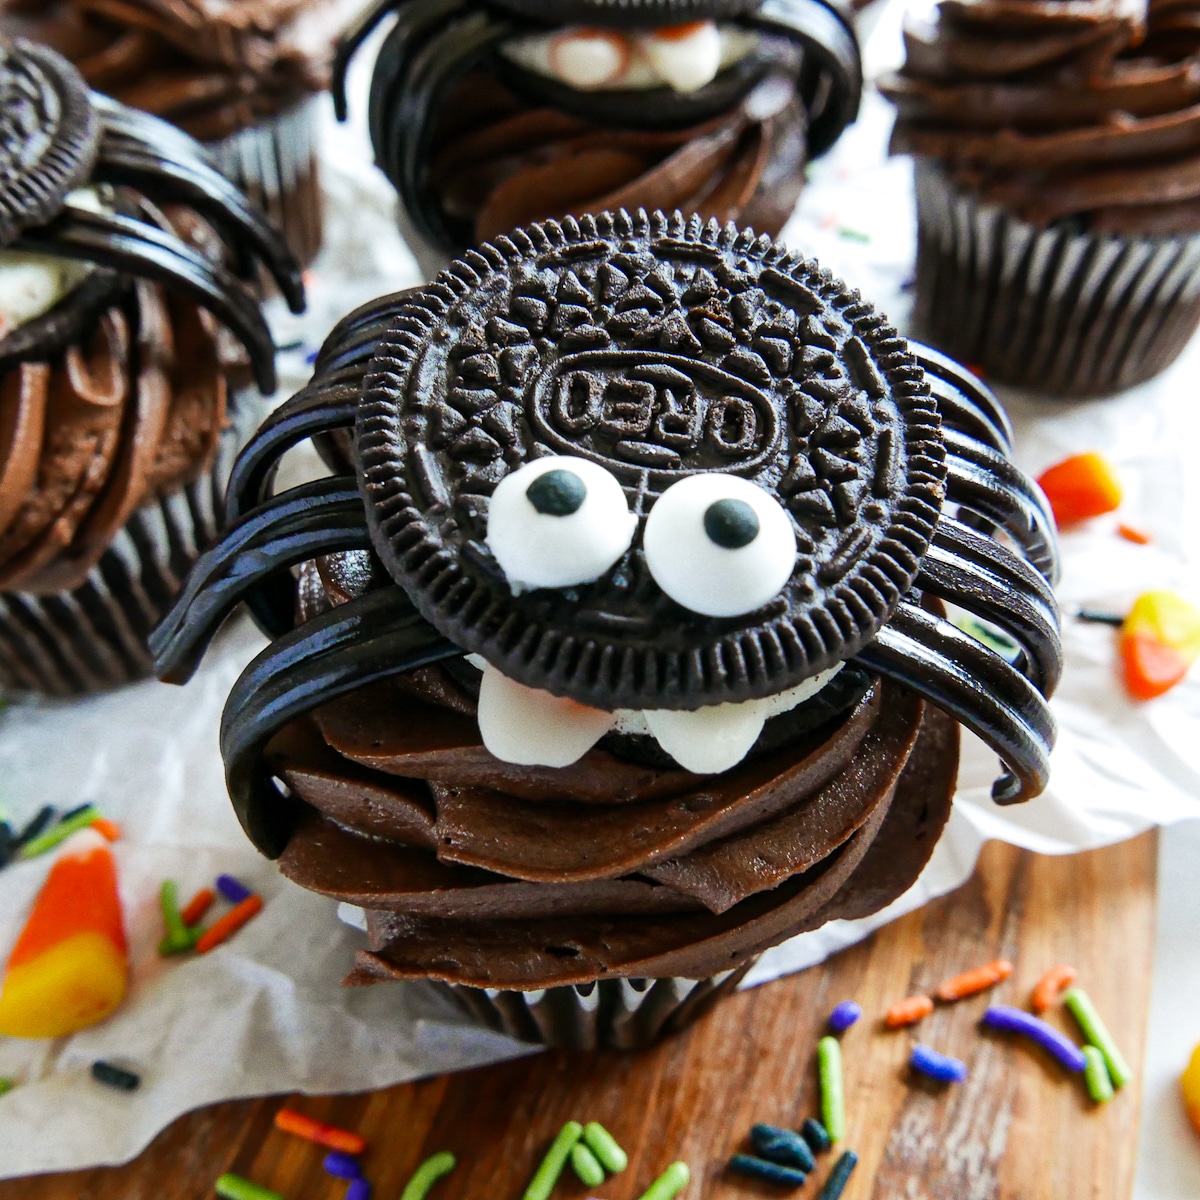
(487, 116)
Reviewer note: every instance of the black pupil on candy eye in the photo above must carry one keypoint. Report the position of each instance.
(731, 523)
(557, 493)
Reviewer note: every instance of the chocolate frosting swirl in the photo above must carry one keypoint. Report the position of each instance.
(1060, 109)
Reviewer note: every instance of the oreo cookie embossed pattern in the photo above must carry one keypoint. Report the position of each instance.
(609, 658)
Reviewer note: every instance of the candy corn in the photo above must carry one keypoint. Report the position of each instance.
(1191, 1089)
(1160, 640)
(1083, 486)
(69, 968)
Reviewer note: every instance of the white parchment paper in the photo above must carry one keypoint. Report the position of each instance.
(265, 1013)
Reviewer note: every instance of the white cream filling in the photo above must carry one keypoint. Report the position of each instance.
(531, 727)
(608, 60)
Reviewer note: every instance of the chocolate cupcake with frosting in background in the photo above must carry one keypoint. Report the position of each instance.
(1058, 187)
(237, 75)
(131, 357)
(617, 652)
(489, 116)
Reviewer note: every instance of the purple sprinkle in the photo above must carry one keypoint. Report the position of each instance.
(359, 1189)
(1016, 1020)
(844, 1015)
(937, 1066)
(342, 1166)
(232, 889)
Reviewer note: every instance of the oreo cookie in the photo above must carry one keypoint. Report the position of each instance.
(627, 13)
(49, 135)
(656, 350)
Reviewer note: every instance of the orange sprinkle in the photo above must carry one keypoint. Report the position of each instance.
(198, 905)
(676, 33)
(908, 1012)
(1130, 533)
(979, 979)
(229, 924)
(1051, 986)
(109, 830)
(288, 1120)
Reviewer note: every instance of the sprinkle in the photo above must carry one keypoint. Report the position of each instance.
(586, 1165)
(1096, 1032)
(234, 1187)
(844, 1015)
(233, 891)
(839, 1176)
(1016, 1020)
(833, 1100)
(115, 1077)
(604, 1146)
(110, 831)
(8, 843)
(359, 1189)
(816, 1135)
(288, 1120)
(1189, 1083)
(341, 1165)
(7, 1085)
(222, 930)
(971, 983)
(72, 813)
(1051, 986)
(783, 1146)
(937, 1066)
(1095, 1075)
(853, 235)
(1092, 616)
(1139, 537)
(427, 1174)
(669, 1184)
(36, 826)
(908, 1012)
(198, 906)
(178, 937)
(546, 1176)
(760, 1168)
(59, 834)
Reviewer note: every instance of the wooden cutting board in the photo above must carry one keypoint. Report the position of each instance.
(1018, 1129)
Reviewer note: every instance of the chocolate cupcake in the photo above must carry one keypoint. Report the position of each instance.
(129, 351)
(1058, 187)
(618, 650)
(238, 75)
(486, 117)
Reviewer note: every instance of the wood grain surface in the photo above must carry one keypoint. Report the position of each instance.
(1019, 1129)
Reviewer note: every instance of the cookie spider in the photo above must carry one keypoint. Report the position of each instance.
(647, 465)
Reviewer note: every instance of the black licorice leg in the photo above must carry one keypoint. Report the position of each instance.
(963, 416)
(308, 412)
(974, 685)
(828, 39)
(967, 569)
(140, 249)
(349, 44)
(977, 394)
(294, 527)
(353, 339)
(375, 637)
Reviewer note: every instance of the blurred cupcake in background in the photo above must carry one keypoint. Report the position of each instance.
(1058, 187)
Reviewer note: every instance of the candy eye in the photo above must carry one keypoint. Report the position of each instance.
(719, 545)
(557, 522)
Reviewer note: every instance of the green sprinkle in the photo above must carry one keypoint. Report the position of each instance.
(586, 1165)
(59, 834)
(604, 1146)
(234, 1187)
(7, 1085)
(427, 1174)
(833, 1098)
(546, 1176)
(1095, 1075)
(669, 1184)
(179, 938)
(853, 235)
(170, 945)
(1095, 1031)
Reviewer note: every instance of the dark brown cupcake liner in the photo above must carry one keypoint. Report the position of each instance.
(1056, 310)
(276, 164)
(620, 1014)
(93, 637)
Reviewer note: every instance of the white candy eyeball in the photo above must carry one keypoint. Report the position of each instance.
(557, 522)
(719, 545)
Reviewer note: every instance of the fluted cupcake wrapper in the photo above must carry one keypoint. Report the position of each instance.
(276, 164)
(93, 637)
(1056, 310)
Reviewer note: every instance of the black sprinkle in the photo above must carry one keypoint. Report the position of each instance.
(557, 493)
(759, 1168)
(838, 1177)
(816, 1135)
(8, 843)
(731, 524)
(1100, 618)
(37, 826)
(783, 1146)
(115, 1077)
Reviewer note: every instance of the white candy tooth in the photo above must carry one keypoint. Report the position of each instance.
(686, 61)
(708, 740)
(531, 727)
(588, 59)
